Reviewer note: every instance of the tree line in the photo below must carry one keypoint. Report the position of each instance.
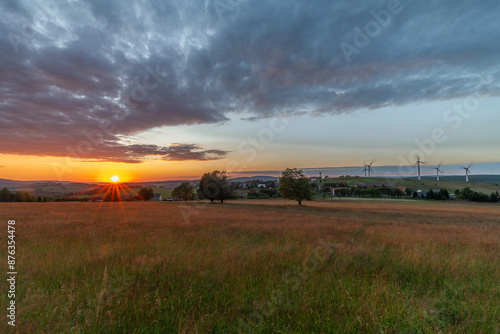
(474, 196)
(19, 196)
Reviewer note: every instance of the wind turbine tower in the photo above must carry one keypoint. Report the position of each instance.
(369, 168)
(467, 172)
(438, 170)
(418, 164)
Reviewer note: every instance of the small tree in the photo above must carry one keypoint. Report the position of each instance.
(185, 191)
(430, 194)
(146, 193)
(215, 186)
(23, 196)
(399, 193)
(444, 194)
(467, 192)
(6, 195)
(295, 186)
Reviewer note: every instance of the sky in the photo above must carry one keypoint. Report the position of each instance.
(156, 90)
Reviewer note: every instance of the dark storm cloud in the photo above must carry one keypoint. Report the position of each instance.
(135, 153)
(67, 67)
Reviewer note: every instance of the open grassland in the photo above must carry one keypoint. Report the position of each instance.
(255, 266)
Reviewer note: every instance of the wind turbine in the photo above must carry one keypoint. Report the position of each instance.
(467, 172)
(369, 168)
(365, 169)
(438, 170)
(320, 174)
(418, 164)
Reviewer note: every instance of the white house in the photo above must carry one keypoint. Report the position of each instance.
(335, 190)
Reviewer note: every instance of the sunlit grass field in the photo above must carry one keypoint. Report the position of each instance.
(254, 266)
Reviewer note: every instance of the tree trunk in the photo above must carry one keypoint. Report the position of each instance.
(300, 202)
(221, 201)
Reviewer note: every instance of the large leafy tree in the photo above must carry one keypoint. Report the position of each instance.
(295, 186)
(146, 193)
(185, 191)
(215, 186)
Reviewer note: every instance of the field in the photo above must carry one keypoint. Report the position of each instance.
(383, 266)
(449, 183)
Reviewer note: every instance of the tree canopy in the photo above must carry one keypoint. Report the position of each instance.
(6, 195)
(215, 186)
(146, 193)
(185, 191)
(295, 186)
(20, 196)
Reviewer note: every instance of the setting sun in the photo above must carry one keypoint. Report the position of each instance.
(115, 178)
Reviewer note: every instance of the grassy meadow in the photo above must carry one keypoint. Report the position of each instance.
(253, 266)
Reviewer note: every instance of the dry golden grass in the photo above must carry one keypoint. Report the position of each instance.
(395, 266)
(400, 205)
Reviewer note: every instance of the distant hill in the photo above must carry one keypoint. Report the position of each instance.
(13, 184)
(474, 178)
(252, 178)
(168, 183)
